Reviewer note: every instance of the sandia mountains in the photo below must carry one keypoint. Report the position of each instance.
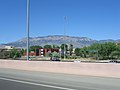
(58, 40)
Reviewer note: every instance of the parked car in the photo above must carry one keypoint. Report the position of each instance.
(114, 61)
(54, 59)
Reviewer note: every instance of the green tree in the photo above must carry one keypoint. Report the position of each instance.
(22, 52)
(106, 49)
(77, 51)
(64, 46)
(47, 46)
(84, 52)
(55, 54)
(64, 49)
(115, 55)
(71, 49)
(56, 47)
(103, 51)
(14, 54)
(33, 48)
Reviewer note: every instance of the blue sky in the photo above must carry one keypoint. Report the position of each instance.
(96, 19)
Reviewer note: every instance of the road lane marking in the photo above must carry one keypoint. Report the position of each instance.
(37, 84)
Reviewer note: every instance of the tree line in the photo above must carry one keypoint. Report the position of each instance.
(97, 51)
(14, 53)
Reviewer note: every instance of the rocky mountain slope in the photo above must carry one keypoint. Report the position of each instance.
(58, 40)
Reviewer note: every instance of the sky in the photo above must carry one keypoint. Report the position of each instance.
(96, 19)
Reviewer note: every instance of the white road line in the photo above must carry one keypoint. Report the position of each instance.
(37, 84)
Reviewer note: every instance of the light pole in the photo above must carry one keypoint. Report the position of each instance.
(28, 13)
(65, 18)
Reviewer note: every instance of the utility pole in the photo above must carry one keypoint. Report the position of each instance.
(65, 19)
(28, 18)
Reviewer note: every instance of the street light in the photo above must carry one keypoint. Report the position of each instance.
(28, 12)
(65, 18)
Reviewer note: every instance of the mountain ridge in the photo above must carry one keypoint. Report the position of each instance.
(58, 40)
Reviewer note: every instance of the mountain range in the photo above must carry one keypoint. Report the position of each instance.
(58, 40)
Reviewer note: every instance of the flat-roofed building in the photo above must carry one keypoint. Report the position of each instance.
(42, 52)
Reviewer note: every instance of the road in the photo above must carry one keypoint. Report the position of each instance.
(28, 80)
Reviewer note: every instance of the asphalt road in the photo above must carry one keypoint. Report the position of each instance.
(28, 80)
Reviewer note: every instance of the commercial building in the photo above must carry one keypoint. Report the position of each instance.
(42, 52)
